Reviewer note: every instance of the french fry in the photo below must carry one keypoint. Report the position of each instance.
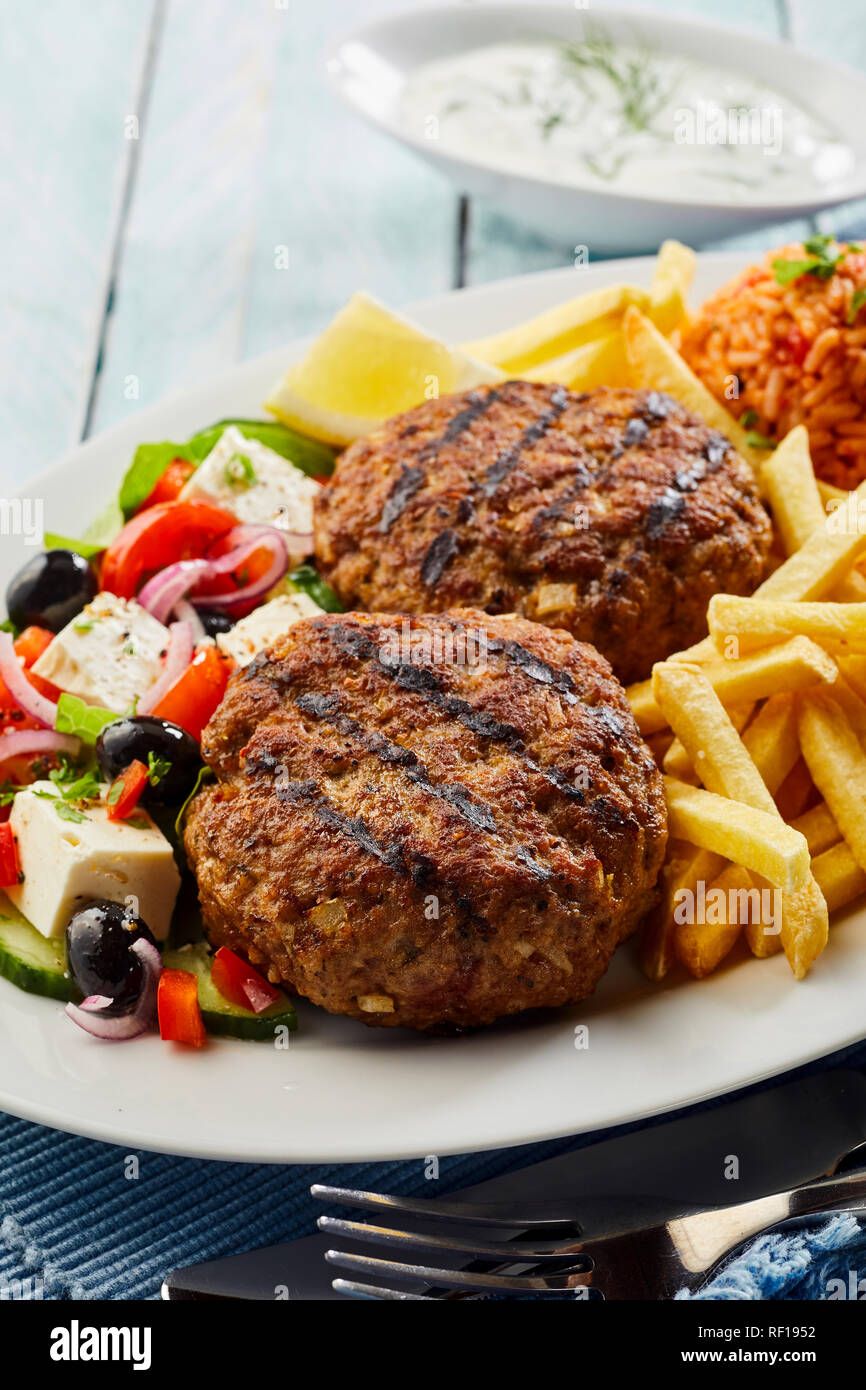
(672, 278)
(702, 946)
(685, 868)
(724, 765)
(796, 793)
(819, 828)
(838, 767)
(824, 560)
(715, 749)
(839, 628)
(647, 714)
(793, 665)
(558, 330)
(677, 761)
(789, 483)
(772, 742)
(839, 876)
(655, 363)
(760, 942)
(760, 842)
(601, 362)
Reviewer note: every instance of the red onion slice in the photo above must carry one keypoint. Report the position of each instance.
(181, 650)
(264, 537)
(22, 692)
(162, 593)
(185, 613)
(90, 1014)
(23, 741)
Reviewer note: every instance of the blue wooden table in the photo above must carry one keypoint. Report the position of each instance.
(158, 160)
(157, 157)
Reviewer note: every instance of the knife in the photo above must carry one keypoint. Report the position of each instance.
(764, 1141)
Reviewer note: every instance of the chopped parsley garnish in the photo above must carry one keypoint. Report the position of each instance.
(67, 812)
(84, 625)
(157, 768)
(759, 441)
(8, 792)
(749, 419)
(138, 822)
(819, 261)
(239, 471)
(858, 299)
(114, 792)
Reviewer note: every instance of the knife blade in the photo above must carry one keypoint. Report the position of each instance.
(732, 1151)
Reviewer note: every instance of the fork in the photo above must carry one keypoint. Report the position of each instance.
(498, 1250)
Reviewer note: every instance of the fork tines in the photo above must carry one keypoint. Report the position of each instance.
(511, 1265)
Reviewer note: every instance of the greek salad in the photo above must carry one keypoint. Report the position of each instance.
(116, 650)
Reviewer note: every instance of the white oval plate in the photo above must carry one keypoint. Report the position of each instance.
(343, 1092)
(370, 67)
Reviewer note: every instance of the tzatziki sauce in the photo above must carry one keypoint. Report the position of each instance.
(601, 114)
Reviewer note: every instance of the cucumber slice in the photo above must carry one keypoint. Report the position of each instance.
(219, 1015)
(32, 961)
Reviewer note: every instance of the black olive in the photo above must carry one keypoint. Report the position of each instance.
(50, 590)
(214, 622)
(98, 941)
(136, 736)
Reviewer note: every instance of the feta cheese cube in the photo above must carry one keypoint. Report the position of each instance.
(255, 483)
(66, 863)
(263, 626)
(110, 653)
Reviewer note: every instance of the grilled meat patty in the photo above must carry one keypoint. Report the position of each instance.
(430, 822)
(615, 514)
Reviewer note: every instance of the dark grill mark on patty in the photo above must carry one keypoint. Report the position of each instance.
(536, 669)
(508, 459)
(309, 794)
(420, 680)
(404, 489)
(478, 405)
(440, 553)
(662, 511)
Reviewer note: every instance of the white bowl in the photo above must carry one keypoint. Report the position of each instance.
(369, 69)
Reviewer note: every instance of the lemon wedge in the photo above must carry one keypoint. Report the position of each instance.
(369, 364)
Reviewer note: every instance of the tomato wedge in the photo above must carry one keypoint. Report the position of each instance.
(158, 537)
(10, 867)
(171, 484)
(32, 643)
(238, 982)
(125, 791)
(195, 695)
(177, 1006)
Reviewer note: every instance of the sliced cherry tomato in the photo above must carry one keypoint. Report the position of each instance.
(158, 537)
(240, 984)
(125, 791)
(10, 867)
(32, 643)
(171, 484)
(177, 1006)
(195, 695)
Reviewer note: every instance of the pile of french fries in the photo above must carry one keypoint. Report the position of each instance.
(760, 729)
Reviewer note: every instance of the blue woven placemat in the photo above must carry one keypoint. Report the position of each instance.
(80, 1219)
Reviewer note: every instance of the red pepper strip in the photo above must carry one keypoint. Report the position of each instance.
(125, 791)
(238, 982)
(180, 1017)
(32, 643)
(10, 867)
(171, 484)
(195, 695)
